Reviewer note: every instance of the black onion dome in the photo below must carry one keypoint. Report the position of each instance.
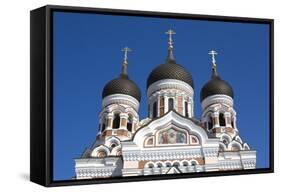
(122, 85)
(216, 86)
(170, 70)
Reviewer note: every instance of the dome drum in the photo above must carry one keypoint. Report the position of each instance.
(165, 84)
(121, 99)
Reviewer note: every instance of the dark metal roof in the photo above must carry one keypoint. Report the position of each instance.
(122, 85)
(216, 86)
(170, 70)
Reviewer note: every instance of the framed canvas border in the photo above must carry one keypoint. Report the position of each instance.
(41, 91)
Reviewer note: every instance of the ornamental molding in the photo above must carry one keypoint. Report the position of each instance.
(167, 93)
(173, 170)
(108, 111)
(223, 99)
(173, 119)
(237, 160)
(210, 152)
(120, 99)
(170, 84)
(94, 172)
(230, 165)
(172, 154)
(98, 167)
(249, 164)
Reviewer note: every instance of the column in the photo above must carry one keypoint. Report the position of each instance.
(216, 122)
(227, 117)
(134, 125)
(123, 120)
(165, 103)
(234, 122)
(109, 120)
(190, 108)
(162, 105)
(180, 105)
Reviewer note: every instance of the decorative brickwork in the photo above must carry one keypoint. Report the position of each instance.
(123, 122)
(180, 105)
(162, 105)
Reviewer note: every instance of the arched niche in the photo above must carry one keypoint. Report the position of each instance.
(149, 141)
(194, 140)
(101, 151)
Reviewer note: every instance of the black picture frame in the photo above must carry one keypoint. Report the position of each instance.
(41, 134)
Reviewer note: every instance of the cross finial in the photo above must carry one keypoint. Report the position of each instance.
(170, 32)
(125, 62)
(213, 53)
(126, 50)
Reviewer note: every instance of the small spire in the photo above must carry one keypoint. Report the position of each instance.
(170, 57)
(125, 61)
(213, 53)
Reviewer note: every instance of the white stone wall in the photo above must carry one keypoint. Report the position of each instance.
(88, 168)
(210, 154)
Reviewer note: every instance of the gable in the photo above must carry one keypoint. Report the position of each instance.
(170, 130)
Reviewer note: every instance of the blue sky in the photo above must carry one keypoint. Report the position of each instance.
(87, 54)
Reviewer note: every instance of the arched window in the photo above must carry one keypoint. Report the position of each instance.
(193, 163)
(150, 165)
(186, 108)
(168, 164)
(232, 123)
(185, 164)
(116, 121)
(154, 110)
(130, 123)
(113, 144)
(159, 165)
(176, 164)
(103, 124)
(225, 139)
(171, 104)
(103, 127)
(222, 120)
(210, 123)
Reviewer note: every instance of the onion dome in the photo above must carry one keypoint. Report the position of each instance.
(122, 84)
(215, 85)
(170, 69)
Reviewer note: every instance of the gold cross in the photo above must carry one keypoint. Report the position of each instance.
(126, 50)
(213, 53)
(170, 32)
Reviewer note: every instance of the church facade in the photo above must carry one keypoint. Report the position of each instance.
(170, 140)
